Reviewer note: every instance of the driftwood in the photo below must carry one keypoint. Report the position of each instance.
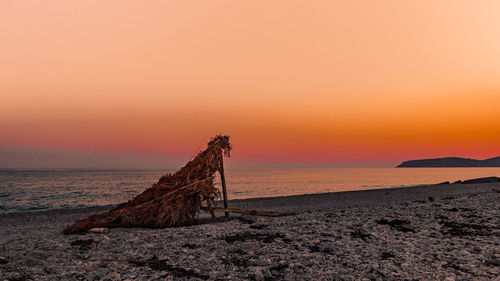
(102, 230)
(173, 201)
(250, 212)
(223, 183)
(211, 210)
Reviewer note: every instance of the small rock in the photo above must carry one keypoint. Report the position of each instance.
(259, 275)
(464, 253)
(494, 262)
(3, 260)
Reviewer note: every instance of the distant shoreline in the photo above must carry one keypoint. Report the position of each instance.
(451, 162)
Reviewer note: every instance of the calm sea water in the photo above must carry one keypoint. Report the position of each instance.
(27, 190)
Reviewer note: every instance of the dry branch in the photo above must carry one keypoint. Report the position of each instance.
(250, 212)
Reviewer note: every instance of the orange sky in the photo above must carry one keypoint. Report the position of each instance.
(328, 82)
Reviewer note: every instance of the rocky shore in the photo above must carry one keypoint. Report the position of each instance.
(441, 232)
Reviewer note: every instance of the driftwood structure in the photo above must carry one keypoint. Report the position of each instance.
(174, 200)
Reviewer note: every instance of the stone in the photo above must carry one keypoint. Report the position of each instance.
(495, 262)
(464, 254)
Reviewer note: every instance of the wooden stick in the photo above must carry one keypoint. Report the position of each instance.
(129, 260)
(251, 212)
(211, 210)
(103, 230)
(223, 182)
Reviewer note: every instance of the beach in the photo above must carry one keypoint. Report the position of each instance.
(433, 232)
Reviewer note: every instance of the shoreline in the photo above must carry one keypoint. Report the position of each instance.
(432, 232)
(351, 198)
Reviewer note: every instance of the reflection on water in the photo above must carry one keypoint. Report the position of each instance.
(24, 190)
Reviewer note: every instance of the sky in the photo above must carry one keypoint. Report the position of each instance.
(340, 83)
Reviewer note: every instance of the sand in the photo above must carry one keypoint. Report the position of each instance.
(440, 232)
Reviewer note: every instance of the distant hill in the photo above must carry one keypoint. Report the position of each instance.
(451, 162)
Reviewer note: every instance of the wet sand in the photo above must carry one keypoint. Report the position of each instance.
(437, 232)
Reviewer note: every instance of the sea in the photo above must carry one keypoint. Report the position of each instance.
(23, 190)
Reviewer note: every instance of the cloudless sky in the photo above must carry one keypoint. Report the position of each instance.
(324, 82)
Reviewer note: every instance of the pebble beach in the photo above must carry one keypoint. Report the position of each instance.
(435, 232)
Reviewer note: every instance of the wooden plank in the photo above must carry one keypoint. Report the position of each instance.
(223, 182)
(251, 212)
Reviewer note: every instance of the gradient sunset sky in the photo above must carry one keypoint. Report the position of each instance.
(342, 83)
